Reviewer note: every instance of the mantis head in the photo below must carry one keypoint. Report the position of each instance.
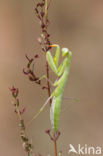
(65, 52)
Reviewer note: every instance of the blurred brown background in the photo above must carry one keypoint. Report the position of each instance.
(74, 24)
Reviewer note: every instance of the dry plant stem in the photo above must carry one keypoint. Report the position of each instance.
(46, 10)
(47, 72)
(48, 84)
(55, 147)
(47, 66)
(41, 11)
(26, 144)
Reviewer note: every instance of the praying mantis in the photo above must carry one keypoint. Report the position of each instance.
(62, 72)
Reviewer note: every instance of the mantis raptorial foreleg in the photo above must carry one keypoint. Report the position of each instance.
(45, 77)
(57, 54)
(53, 61)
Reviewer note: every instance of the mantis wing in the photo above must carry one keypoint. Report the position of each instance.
(55, 112)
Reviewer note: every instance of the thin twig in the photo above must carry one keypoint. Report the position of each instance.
(26, 144)
(55, 147)
(41, 11)
(48, 84)
(47, 72)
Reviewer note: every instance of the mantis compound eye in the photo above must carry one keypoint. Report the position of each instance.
(65, 52)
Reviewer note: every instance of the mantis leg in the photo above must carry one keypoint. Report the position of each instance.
(71, 98)
(51, 62)
(41, 109)
(57, 54)
(61, 70)
(62, 67)
(65, 52)
(66, 63)
(44, 77)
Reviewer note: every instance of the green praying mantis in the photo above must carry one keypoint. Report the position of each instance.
(62, 72)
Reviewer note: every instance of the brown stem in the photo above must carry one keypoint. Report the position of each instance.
(55, 147)
(47, 72)
(48, 84)
(26, 144)
(44, 40)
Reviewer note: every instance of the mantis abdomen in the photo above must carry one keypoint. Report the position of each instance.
(55, 111)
